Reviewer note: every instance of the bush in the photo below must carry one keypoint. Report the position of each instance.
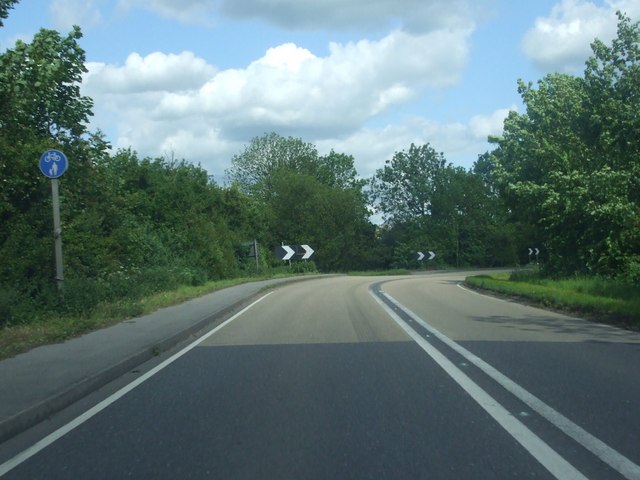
(6, 304)
(632, 275)
(303, 267)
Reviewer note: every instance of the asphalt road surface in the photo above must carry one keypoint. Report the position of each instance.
(369, 378)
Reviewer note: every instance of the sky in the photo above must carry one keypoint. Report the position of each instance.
(199, 79)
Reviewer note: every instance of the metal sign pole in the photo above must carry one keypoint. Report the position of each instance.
(255, 249)
(57, 233)
(53, 164)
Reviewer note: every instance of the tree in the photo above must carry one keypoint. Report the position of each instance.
(5, 6)
(254, 168)
(40, 87)
(337, 170)
(306, 198)
(40, 108)
(568, 166)
(404, 188)
(430, 204)
(334, 220)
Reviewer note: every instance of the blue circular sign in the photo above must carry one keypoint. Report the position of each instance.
(53, 163)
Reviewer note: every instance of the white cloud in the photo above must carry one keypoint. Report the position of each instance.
(461, 143)
(67, 13)
(414, 15)
(291, 87)
(155, 72)
(483, 126)
(178, 103)
(562, 41)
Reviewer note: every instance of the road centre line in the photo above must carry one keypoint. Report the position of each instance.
(537, 447)
(52, 437)
(604, 452)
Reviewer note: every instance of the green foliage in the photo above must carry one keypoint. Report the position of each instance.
(565, 175)
(431, 205)
(303, 267)
(40, 87)
(5, 6)
(303, 198)
(265, 156)
(568, 168)
(405, 187)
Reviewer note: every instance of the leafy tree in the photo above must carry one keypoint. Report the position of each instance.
(334, 220)
(432, 205)
(568, 166)
(337, 170)
(5, 6)
(303, 197)
(254, 168)
(40, 87)
(404, 188)
(40, 108)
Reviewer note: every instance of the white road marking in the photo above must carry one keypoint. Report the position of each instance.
(542, 452)
(604, 452)
(52, 437)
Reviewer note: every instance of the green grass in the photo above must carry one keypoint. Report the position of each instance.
(16, 339)
(596, 298)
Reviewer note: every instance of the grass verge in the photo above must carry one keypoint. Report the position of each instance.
(16, 339)
(594, 298)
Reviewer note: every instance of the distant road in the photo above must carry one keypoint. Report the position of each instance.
(372, 378)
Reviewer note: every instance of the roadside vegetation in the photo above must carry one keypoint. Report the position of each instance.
(600, 299)
(564, 178)
(53, 328)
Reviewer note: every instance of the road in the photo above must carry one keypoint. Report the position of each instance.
(364, 377)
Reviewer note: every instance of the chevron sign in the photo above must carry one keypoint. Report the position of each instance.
(421, 256)
(294, 252)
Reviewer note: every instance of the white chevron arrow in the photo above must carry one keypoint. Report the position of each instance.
(431, 256)
(420, 256)
(290, 252)
(308, 251)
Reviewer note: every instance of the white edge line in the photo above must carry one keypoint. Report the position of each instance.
(539, 449)
(604, 452)
(52, 437)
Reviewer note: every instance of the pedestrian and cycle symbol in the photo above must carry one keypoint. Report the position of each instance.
(53, 163)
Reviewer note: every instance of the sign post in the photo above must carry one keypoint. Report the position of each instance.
(255, 251)
(53, 164)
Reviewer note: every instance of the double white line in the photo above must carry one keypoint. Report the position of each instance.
(537, 447)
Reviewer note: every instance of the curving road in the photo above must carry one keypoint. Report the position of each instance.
(372, 377)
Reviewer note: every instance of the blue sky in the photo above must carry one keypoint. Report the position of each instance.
(198, 79)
